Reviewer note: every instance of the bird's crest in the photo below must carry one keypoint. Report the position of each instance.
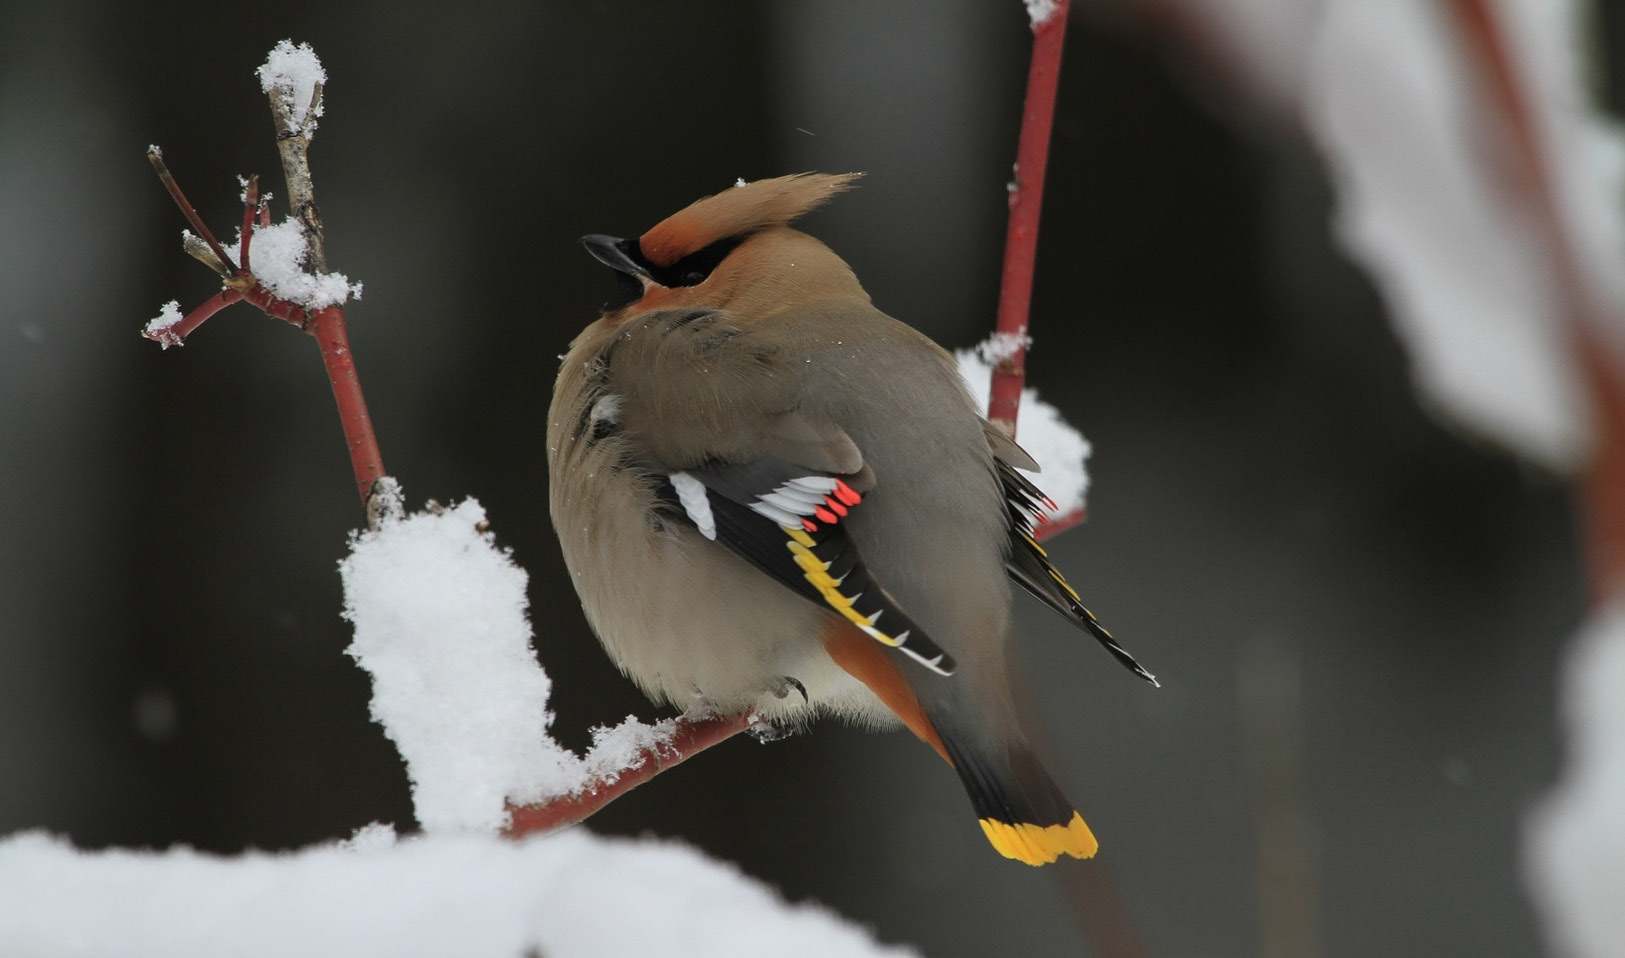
(738, 211)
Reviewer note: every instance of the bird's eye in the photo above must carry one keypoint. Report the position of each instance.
(696, 267)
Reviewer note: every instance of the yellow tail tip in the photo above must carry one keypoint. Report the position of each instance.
(1041, 844)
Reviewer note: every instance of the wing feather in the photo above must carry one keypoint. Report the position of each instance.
(786, 520)
(1029, 565)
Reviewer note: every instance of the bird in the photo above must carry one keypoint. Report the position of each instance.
(775, 499)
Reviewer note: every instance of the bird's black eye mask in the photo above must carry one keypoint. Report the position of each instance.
(696, 267)
(626, 258)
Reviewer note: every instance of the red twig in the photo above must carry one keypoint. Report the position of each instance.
(326, 324)
(693, 737)
(1021, 239)
(251, 204)
(276, 307)
(175, 335)
(1026, 202)
(156, 158)
(1603, 492)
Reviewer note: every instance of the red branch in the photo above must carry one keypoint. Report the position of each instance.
(189, 211)
(693, 737)
(326, 324)
(176, 334)
(251, 205)
(1603, 492)
(1021, 240)
(1026, 202)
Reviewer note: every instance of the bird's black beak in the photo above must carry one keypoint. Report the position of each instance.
(618, 254)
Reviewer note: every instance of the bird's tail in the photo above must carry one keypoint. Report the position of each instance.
(1021, 809)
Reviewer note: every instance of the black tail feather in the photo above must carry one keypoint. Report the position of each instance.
(1020, 808)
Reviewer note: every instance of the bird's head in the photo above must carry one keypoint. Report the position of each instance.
(734, 251)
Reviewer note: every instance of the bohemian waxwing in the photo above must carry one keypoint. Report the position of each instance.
(776, 499)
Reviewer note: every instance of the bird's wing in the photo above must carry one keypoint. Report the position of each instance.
(787, 521)
(722, 431)
(1028, 563)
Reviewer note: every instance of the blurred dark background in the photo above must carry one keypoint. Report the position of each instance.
(1355, 610)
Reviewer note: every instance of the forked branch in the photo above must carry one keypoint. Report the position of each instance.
(295, 123)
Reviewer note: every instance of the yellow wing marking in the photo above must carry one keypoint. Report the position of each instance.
(816, 572)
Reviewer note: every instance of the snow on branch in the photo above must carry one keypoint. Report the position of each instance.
(293, 79)
(1039, 12)
(295, 75)
(1574, 839)
(440, 625)
(1059, 449)
(439, 616)
(293, 282)
(161, 328)
(282, 253)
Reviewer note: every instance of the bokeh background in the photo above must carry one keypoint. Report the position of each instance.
(1355, 609)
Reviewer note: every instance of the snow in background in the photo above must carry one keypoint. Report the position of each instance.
(1583, 147)
(569, 895)
(1425, 205)
(1060, 450)
(1388, 94)
(1422, 205)
(1576, 840)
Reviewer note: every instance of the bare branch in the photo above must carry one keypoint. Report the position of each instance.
(293, 142)
(225, 266)
(1026, 202)
(326, 324)
(694, 735)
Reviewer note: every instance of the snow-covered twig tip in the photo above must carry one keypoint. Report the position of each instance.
(1060, 450)
(1040, 11)
(161, 328)
(295, 74)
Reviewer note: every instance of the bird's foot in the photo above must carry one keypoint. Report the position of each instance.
(788, 683)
